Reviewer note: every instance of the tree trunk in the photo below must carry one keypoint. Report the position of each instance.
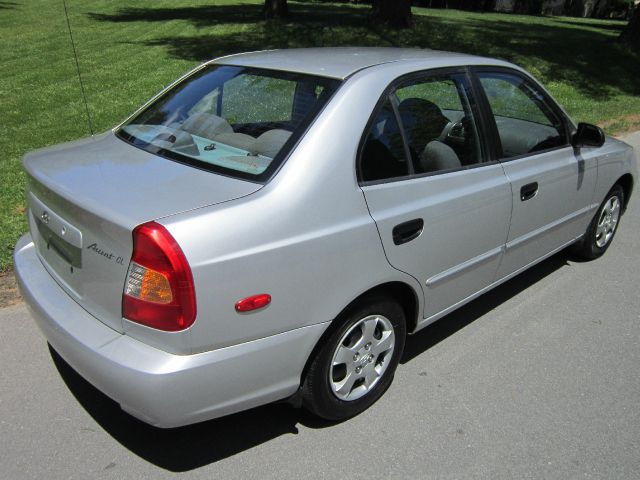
(574, 8)
(395, 13)
(598, 7)
(631, 34)
(275, 9)
(471, 5)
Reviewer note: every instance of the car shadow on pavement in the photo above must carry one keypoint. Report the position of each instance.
(463, 316)
(186, 448)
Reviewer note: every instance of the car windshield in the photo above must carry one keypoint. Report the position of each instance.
(238, 121)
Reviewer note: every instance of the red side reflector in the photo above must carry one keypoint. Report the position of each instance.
(254, 302)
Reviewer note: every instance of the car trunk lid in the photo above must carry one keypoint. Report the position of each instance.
(86, 197)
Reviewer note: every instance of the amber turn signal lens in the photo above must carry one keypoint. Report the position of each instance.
(148, 285)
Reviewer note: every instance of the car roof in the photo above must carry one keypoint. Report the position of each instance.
(341, 62)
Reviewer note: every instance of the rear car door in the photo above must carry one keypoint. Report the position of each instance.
(552, 186)
(441, 207)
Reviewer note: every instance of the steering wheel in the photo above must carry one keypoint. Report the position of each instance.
(448, 132)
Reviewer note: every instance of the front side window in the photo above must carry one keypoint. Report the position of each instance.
(525, 120)
(234, 120)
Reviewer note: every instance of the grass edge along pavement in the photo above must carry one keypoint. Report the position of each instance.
(128, 53)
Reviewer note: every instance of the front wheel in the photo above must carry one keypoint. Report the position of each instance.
(355, 366)
(603, 227)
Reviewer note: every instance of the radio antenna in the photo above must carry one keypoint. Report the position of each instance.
(75, 56)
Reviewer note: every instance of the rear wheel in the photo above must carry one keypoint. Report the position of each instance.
(356, 364)
(603, 227)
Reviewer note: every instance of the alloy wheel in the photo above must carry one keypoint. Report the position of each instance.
(608, 221)
(361, 357)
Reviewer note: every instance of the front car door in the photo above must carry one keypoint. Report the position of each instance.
(442, 207)
(552, 186)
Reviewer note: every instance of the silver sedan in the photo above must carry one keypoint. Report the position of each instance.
(272, 225)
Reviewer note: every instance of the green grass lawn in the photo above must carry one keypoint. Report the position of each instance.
(128, 53)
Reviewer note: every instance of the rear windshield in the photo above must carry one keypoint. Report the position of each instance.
(238, 121)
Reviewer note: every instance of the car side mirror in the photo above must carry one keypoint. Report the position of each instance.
(588, 135)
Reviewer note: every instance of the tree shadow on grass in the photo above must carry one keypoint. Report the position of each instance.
(8, 5)
(587, 59)
(591, 61)
(203, 16)
(211, 15)
(591, 24)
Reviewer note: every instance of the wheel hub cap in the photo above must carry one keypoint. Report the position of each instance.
(608, 221)
(361, 357)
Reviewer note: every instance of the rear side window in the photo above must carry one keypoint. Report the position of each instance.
(238, 121)
(426, 125)
(438, 123)
(383, 154)
(524, 117)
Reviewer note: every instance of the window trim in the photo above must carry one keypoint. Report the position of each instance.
(389, 92)
(489, 117)
(395, 104)
(385, 97)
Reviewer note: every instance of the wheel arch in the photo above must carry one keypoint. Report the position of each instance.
(626, 182)
(399, 291)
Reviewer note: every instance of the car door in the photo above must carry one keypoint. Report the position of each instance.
(552, 186)
(441, 206)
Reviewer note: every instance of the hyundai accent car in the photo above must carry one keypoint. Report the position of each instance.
(272, 225)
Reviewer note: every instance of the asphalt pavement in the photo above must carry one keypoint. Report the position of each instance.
(538, 379)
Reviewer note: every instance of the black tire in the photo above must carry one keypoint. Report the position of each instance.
(593, 244)
(317, 392)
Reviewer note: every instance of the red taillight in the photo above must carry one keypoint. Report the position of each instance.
(159, 290)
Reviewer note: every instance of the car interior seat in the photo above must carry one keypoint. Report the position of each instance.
(378, 162)
(438, 156)
(270, 142)
(423, 122)
(206, 125)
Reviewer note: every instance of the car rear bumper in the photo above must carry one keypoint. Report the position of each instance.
(160, 388)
